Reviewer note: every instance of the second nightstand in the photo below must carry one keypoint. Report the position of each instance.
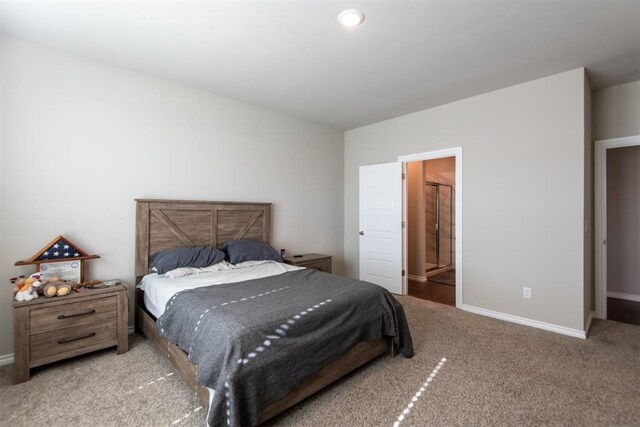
(318, 261)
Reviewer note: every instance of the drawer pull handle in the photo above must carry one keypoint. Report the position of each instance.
(66, 316)
(67, 340)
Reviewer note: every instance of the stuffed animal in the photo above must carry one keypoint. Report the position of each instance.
(18, 282)
(63, 289)
(49, 290)
(55, 287)
(29, 288)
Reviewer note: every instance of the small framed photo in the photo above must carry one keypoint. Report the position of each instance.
(69, 270)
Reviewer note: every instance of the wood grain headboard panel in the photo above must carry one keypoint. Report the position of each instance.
(165, 224)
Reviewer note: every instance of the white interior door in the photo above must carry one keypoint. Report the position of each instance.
(380, 225)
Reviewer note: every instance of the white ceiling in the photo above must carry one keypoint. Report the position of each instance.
(293, 57)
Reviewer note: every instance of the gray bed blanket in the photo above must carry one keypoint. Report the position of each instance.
(254, 341)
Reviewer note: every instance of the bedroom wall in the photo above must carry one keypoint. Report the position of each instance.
(82, 139)
(588, 251)
(6, 291)
(524, 178)
(616, 111)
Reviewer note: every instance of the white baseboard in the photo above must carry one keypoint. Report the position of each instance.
(7, 359)
(528, 322)
(620, 295)
(417, 278)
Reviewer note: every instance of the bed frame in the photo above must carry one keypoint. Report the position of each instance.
(164, 224)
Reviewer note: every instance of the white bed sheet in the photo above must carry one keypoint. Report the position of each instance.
(158, 289)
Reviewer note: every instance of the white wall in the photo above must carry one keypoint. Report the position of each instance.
(6, 291)
(588, 251)
(616, 111)
(82, 139)
(524, 178)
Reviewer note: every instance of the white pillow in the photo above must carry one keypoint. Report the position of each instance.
(250, 263)
(221, 266)
(188, 271)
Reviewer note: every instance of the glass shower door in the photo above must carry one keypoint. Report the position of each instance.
(439, 225)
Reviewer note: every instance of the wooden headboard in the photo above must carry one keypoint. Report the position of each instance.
(165, 224)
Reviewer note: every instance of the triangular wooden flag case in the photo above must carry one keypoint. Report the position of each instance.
(60, 249)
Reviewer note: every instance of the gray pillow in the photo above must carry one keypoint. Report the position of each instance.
(196, 256)
(249, 250)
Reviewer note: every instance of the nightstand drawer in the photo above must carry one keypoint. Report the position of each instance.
(60, 341)
(78, 313)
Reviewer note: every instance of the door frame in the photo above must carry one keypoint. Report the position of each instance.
(430, 155)
(600, 232)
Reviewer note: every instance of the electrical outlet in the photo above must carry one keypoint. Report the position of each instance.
(526, 293)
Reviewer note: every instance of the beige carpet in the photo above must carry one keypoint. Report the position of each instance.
(496, 373)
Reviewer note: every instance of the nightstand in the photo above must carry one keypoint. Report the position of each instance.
(46, 330)
(317, 261)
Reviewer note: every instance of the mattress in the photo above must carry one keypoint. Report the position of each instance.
(158, 289)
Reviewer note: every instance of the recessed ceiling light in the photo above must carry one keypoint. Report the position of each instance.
(351, 17)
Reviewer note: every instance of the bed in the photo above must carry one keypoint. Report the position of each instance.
(165, 224)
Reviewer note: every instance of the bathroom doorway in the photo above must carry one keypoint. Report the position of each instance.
(431, 194)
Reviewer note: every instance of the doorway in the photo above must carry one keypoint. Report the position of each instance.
(432, 234)
(617, 233)
(383, 216)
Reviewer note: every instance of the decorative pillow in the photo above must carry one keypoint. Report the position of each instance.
(196, 256)
(249, 250)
